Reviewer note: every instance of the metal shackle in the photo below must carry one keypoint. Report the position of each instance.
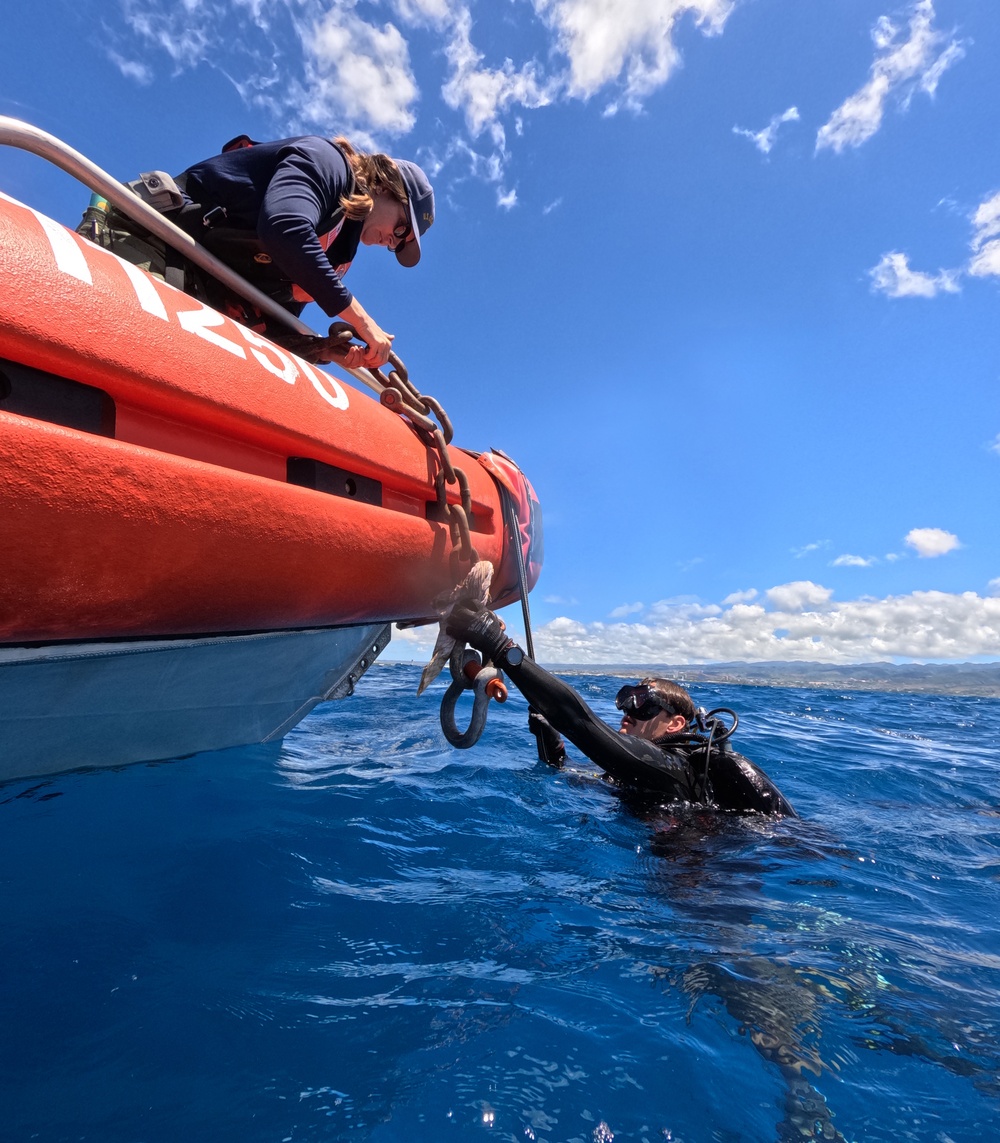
(468, 673)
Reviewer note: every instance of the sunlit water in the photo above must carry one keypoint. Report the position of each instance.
(367, 935)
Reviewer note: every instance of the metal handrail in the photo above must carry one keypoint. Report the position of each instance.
(17, 133)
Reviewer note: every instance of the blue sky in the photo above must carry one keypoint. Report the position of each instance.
(722, 276)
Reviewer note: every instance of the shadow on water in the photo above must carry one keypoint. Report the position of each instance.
(715, 869)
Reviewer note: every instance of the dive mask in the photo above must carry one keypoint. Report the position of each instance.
(641, 703)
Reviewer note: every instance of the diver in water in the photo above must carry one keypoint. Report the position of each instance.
(664, 746)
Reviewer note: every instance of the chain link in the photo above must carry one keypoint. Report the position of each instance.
(398, 393)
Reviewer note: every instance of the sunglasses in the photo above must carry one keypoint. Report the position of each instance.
(402, 232)
(641, 703)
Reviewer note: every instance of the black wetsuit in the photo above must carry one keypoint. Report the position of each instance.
(670, 768)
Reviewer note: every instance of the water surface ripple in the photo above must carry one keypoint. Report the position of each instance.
(366, 935)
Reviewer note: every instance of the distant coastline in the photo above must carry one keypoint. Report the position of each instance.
(981, 680)
(978, 680)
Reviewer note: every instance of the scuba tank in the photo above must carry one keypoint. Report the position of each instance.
(94, 224)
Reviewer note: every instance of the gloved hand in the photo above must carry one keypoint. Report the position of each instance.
(479, 628)
(551, 747)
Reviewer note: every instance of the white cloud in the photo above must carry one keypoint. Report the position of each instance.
(489, 168)
(554, 205)
(902, 66)
(764, 139)
(131, 69)
(567, 628)
(483, 93)
(688, 606)
(320, 65)
(740, 597)
(506, 199)
(987, 260)
(798, 595)
(559, 601)
(986, 240)
(625, 610)
(182, 32)
(435, 13)
(893, 276)
(308, 65)
(802, 622)
(932, 76)
(414, 644)
(799, 553)
(630, 42)
(994, 445)
(931, 542)
(987, 218)
(847, 561)
(922, 625)
(357, 73)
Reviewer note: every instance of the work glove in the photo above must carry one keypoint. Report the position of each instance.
(551, 747)
(479, 628)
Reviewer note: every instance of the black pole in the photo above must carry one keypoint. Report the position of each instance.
(514, 530)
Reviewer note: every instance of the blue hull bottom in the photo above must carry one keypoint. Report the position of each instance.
(69, 706)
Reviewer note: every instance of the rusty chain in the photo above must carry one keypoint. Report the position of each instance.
(401, 396)
(397, 393)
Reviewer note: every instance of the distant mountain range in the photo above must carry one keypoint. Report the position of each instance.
(981, 679)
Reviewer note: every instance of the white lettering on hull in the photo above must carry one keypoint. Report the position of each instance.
(200, 322)
(71, 254)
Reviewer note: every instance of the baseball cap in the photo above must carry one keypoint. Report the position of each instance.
(420, 196)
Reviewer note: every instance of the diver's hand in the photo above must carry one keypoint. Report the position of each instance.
(480, 628)
(551, 747)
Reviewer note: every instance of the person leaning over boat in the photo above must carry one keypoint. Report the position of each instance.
(289, 216)
(654, 750)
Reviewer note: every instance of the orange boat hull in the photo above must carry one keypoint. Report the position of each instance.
(174, 502)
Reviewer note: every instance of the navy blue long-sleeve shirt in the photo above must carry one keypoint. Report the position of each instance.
(288, 193)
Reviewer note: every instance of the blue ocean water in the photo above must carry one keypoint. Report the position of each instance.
(366, 935)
